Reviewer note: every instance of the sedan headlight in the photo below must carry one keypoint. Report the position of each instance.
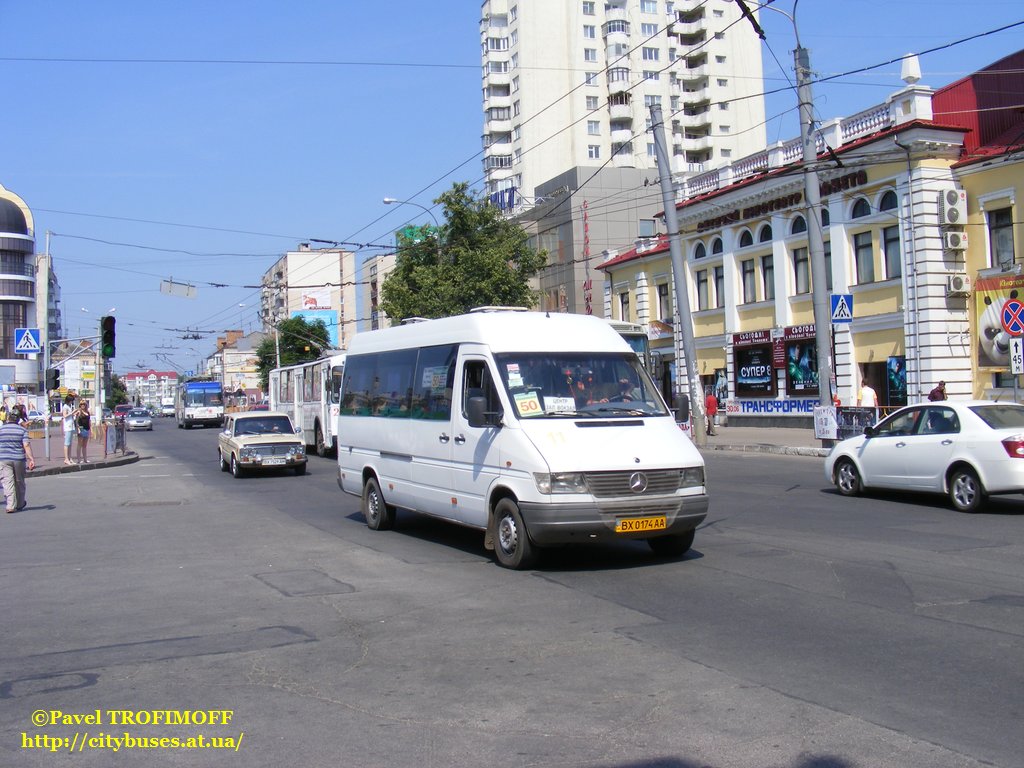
(560, 482)
(691, 477)
(297, 450)
(248, 453)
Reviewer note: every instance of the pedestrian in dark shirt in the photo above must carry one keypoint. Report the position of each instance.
(939, 392)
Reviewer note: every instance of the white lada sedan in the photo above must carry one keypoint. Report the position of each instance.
(260, 440)
(966, 449)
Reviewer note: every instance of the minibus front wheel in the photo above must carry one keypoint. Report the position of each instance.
(379, 515)
(512, 544)
(673, 545)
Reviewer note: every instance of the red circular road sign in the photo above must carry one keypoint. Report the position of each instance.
(1012, 317)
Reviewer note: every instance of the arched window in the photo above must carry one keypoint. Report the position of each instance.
(700, 251)
(766, 234)
(716, 246)
(889, 201)
(826, 219)
(861, 208)
(746, 239)
(799, 225)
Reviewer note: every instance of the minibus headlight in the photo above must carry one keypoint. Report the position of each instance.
(560, 482)
(691, 477)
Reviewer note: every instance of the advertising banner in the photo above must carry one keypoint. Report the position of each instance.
(755, 375)
(329, 318)
(998, 317)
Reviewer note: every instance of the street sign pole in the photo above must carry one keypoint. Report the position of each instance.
(1016, 361)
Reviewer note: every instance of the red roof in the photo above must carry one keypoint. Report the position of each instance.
(659, 246)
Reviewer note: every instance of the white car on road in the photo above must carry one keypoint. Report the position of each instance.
(967, 449)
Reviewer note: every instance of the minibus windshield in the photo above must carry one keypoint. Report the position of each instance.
(574, 384)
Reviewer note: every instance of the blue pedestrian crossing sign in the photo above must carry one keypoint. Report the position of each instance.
(842, 307)
(26, 341)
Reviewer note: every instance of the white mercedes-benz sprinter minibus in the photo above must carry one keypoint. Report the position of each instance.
(536, 428)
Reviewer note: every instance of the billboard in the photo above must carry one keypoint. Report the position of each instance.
(329, 317)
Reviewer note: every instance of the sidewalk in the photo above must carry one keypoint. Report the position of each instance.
(55, 464)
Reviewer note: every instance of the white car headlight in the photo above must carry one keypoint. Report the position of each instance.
(560, 482)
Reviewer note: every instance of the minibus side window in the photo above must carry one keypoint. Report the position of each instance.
(432, 383)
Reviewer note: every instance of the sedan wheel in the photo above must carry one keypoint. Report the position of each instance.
(847, 478)
(965, 491)
(220, 460)
(236, 468)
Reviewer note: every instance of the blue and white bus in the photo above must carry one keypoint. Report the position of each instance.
(199, 401)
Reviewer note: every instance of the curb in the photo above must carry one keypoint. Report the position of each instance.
(768, 448)
(130, 457)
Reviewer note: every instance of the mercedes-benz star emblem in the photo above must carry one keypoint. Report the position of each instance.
(638, 482)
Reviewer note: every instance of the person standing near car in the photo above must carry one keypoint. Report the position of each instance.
(15, 454)
(83, 426)
(67, 420)
(938, 393)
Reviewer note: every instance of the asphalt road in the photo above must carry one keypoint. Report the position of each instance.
(803, 630)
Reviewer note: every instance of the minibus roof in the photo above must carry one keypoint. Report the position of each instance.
(501, 331)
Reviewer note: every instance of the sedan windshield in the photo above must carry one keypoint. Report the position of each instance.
(139, 414)
(572, 384)
(271, 425)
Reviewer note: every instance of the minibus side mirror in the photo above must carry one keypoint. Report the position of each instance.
(477, 415)
(683, 409)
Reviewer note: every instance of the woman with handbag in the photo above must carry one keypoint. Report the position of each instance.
(83, 425)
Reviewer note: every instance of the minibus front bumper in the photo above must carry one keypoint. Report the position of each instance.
(565, 523)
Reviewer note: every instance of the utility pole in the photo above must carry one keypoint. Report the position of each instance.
(668, 198)
(815, 241)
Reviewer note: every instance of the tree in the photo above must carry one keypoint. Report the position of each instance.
(299, 340)
(477, 259)
(118, 392)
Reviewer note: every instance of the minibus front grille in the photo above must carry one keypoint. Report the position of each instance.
(612, 484)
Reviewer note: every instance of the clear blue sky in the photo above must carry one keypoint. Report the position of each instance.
(201, 140)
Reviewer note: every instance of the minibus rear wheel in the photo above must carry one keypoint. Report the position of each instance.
(379, 515)
(512, 544)
(674, 545)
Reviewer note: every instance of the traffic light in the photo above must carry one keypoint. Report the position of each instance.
(52, 379)
(107, 345)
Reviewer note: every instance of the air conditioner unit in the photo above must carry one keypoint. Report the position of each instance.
(958, 285)
(952, 206)
(955, 241)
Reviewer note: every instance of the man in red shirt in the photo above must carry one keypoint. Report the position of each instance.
(710, 409)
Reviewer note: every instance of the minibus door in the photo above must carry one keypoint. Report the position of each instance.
(475, 449)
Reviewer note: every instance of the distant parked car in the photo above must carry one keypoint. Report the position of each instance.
(966, 449)
(121, 411)
(260, 440)
(138, 418)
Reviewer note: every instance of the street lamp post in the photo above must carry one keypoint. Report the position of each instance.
(437, 224)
